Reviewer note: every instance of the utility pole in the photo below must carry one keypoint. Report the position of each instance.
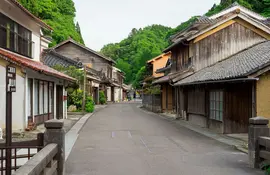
(84, 88)
(10, 88)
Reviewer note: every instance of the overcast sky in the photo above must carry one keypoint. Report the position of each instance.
(110, 21)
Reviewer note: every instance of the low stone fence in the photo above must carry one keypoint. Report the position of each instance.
(258, 141)
(152, 102)
(50, 160)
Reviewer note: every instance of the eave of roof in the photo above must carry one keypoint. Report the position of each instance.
(83, 47)
(34, 65)
(161, 70)
(244, 17)
(236, 6)
(158, 57)
(53, 52)
(240, 65)
(259, 24)
(43, 24)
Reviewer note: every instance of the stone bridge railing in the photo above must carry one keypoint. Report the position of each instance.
(50, 160)
(258, 141)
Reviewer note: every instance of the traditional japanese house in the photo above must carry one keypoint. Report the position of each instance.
(91, 59)
(93, 78)
(228, 61)
(40, 90)
(118, 80)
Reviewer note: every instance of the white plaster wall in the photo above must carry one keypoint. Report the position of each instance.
(18, 112)
(117, 94)
(2, 96)
(36, 47)
(43, 45)
(109, 94)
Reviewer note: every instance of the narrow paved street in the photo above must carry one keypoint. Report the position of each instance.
(124, 140)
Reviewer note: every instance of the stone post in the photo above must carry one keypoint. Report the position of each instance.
(55, 134)
(257, 127)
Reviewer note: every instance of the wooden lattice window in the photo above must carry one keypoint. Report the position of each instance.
(216, 105)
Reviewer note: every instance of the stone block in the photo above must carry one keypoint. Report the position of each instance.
(254, 159)
(256, 131)
(253, 144)
(54, 124)
(258, 121)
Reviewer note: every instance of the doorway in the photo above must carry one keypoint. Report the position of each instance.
(59, 102)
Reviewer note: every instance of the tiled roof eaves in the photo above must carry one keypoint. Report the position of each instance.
(240, 65)
(40, 68)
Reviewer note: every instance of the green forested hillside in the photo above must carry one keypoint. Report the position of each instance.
(59, 14)
(132, 53)
(141, 45)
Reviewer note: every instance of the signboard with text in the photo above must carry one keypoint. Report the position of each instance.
(11, 79)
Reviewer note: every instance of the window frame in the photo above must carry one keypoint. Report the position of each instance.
(216, 105)
(16, 38)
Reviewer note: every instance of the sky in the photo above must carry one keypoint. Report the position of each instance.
(109, 21)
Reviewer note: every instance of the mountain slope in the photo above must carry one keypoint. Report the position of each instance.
(132, 52)
(59, 14)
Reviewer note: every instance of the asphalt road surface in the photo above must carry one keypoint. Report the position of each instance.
(124, 140)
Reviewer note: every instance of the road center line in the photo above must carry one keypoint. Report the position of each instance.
(113, 134)
(145, 145)
(129, 134)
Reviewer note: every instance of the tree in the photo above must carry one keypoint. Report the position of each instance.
(59, 14)
(140, 46)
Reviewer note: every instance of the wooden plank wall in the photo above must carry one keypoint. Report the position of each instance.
(196, 100)
(237, 107)
(180, 55)
(223, 44)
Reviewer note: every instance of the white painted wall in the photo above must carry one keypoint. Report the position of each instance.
(44, 44)
(109, 94)
(18, 112)
(36, 47)
(117, 94)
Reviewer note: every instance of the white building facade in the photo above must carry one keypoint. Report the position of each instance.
(40, 90)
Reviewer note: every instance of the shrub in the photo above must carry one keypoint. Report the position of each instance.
(89, 104)
(75, 98)
(102, 98)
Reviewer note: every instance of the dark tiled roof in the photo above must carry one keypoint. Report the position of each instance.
(237, 66)
(34, 65)
(51, 58)
(83, 47)
(167, 78)
(43, 24)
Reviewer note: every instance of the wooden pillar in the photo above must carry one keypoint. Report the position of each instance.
(48, 108)
(167, 91)
(254, 103)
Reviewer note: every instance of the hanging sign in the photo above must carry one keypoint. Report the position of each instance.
(11, 79)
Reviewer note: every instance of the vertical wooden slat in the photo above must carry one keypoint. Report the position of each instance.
(2, 166)
(15, 159)
(43, 92)
(28, 155)
(48, 84)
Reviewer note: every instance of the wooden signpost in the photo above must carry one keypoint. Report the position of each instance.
(10, 88)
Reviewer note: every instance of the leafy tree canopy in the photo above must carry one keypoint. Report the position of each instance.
(140, 46)
(59, 14)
